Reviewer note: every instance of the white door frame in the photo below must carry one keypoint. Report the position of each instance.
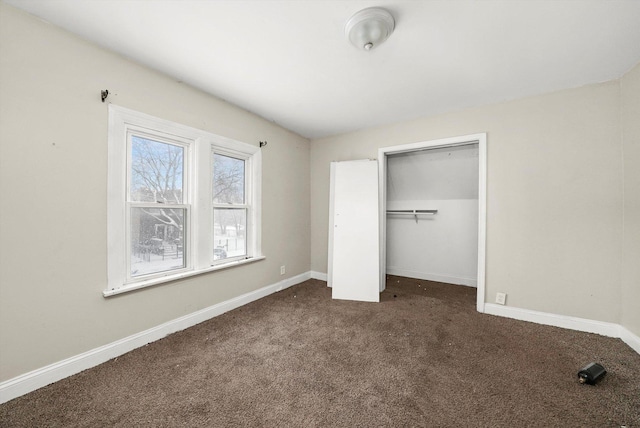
(481, 140)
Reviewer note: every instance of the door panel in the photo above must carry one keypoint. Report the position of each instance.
(354, 245)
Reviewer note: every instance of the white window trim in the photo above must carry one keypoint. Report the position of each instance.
(199, 236)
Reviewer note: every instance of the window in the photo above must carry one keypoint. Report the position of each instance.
(230, 209)
(157, 205)
(181, 201)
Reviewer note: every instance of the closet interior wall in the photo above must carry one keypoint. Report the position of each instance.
(442, 246)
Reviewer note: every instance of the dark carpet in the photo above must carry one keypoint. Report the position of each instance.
(423, 357)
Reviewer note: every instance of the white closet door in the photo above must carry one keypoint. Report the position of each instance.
(354, 245)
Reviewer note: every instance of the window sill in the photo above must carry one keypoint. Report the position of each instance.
(155, 281)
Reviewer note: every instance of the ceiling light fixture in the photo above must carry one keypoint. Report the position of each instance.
(369, 27)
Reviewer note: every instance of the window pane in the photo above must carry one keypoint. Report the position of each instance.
(156, 171)
(228, 180)
(157, 240)
(229, 232)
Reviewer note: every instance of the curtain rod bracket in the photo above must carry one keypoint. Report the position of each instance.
(104, 94)
(263, 143)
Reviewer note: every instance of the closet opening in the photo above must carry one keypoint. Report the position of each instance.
(433, 212)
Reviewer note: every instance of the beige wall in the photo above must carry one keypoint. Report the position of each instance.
(630, 90)
(53, 172)
(554, 209)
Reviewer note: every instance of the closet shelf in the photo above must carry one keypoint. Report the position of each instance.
(414, 213)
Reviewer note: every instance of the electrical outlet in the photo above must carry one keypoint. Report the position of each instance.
(501, 298)
(282, 270)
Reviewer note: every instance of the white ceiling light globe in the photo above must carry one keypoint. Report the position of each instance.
(369, 27)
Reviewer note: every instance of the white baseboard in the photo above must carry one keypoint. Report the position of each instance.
(568, 322)
(470, 282)
(319, 275)
(630, 339)
(564, 321)
(38, 378)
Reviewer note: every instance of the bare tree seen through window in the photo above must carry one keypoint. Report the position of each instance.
(230, 213)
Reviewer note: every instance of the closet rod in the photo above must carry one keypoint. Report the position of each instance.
(413, 212)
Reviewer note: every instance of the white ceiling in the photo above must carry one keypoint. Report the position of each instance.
(290, 62)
